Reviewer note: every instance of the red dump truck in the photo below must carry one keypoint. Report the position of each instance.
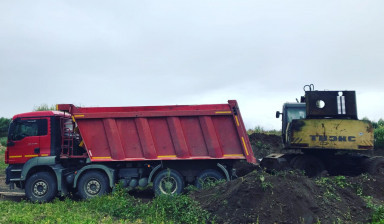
(87, 150)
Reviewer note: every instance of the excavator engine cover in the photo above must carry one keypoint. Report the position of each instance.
(331, 104)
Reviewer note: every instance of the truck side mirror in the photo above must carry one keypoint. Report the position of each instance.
(278, 114)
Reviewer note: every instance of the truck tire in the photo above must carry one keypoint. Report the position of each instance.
(168, 182)
(293, 160)
(41, 187)
(92, 184)
(374, 165)
(311, 165)
(207, 177)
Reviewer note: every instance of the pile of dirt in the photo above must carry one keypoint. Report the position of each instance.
(243, 168)
(274, 141)
(378, 152)
(262, 145)
(265, 144)
(291, 198)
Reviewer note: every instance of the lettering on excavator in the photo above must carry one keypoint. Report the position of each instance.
(331, 138)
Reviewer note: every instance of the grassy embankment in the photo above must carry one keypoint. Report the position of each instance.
(118, 207)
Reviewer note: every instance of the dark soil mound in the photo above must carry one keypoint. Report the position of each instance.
(369, 186)
(243, 167)
(273, 140)
(264, 144)
(289, 197)
(378, 152)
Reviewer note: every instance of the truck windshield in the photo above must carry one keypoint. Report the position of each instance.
(295, 113)
(26, 128)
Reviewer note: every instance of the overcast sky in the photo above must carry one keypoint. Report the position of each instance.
(128, 53)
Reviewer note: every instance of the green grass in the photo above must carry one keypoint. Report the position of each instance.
(118, 207)
(342, 182)
(330, 185)
(378, 214)
(378, 210)
(2, 163)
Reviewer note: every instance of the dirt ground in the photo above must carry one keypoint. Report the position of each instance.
(6, 193)
(290, 198)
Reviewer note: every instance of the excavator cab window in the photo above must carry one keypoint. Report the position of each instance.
(295, 113)
(292, 111)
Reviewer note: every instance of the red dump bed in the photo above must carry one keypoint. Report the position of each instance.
(178, 132)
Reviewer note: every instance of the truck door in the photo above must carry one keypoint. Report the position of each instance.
(28, 138)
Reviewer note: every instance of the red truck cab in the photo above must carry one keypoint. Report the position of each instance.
(33, 134)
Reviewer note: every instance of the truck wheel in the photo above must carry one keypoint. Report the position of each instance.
(293, 160)
(169, 182)
(92, 184)
(207, 177)
(311, 165)
(374, 165)
(41, 187)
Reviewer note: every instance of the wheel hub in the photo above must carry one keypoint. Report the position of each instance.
(40, 188)
(168, 185)
(93, 187)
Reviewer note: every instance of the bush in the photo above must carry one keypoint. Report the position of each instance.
(4, 124)
(3, 141)
(259, 129)
(378, 132)
(379, 137)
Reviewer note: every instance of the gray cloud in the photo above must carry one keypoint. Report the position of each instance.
(98, 53)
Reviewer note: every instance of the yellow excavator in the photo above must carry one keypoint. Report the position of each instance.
(322, 134)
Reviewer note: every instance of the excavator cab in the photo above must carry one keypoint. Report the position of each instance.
(291, 111)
